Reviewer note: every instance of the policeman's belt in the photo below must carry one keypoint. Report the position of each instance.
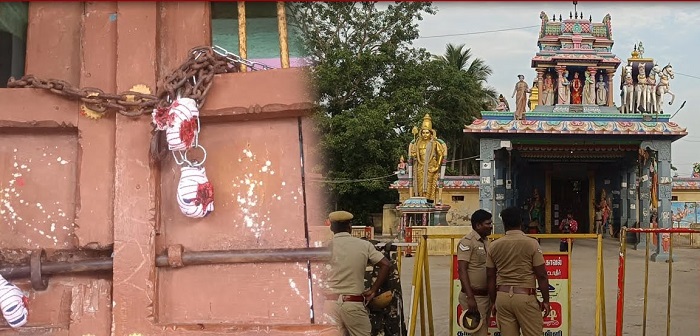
(517, 290)
(480, 292)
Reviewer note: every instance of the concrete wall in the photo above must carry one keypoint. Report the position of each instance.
(460, 210)
(687, 195)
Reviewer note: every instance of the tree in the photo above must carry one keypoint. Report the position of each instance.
(357, 49)
(374, 86)
(479, 98)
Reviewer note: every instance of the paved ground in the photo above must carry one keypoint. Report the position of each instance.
(685, 306)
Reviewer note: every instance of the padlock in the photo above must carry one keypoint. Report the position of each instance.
(184, 129)
(13, 303)
(195, 194)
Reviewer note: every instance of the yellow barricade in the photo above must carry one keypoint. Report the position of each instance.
(421, 299)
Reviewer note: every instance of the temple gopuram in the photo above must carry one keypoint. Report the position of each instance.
(571, 148)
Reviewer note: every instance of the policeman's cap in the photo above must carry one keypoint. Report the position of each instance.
(470, 321)
(381, 301)
(340, 216)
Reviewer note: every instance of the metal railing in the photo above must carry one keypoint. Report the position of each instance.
(281, 28)
(621, 274)
(686, 240)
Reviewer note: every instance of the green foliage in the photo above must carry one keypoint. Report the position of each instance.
(373, 87)
(463, 96)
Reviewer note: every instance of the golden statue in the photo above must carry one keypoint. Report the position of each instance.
(427, 153)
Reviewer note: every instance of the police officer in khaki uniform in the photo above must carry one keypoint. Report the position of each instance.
(471, 260)
(513, 263)
(346, 302)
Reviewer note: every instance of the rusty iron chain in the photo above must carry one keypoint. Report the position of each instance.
(192, 79)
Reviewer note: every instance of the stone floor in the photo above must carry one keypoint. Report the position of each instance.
(685, 307)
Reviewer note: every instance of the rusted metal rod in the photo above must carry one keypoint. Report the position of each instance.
(61, 267)
(174, 257)
(246, 256)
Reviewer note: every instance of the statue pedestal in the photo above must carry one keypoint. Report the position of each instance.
(415, 211)
(440, 215)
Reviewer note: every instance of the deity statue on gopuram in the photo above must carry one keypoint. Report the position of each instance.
(644, 84)
(574, 66)
(427, 159)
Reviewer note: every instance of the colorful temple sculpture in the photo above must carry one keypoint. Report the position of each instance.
(575, 66)
(574, 149)
(425, 173)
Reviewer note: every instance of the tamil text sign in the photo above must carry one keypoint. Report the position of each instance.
(557, 322)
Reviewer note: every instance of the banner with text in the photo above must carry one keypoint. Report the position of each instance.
(557, 323)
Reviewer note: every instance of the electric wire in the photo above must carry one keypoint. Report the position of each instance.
(686, 75)
(479, 32)
(378, 177)
(353, 181)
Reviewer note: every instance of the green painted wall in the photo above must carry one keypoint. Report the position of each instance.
(262, 34)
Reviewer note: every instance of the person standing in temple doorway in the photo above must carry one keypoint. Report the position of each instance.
(567, 226)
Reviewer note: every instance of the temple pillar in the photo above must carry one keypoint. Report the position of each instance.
(611, 77)
(632, 197)
(548, 203)
(508, 181)
(624, 198)
(540, 85)
(500, 170)
(488, 174)
(663, 150)
(591, 210)
(560, 74)
(644, 212)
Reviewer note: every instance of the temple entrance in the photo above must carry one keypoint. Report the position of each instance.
(568, 177)
(570, 194)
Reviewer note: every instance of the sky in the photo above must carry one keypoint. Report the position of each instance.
(669, 32)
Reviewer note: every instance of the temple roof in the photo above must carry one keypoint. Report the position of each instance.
(575, 41)
(585, 122)
(472, 182)
(686, 183)
(451, 182)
